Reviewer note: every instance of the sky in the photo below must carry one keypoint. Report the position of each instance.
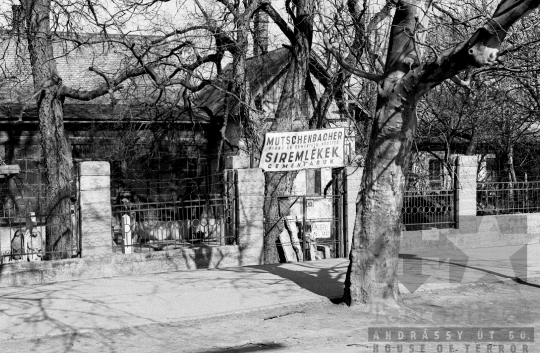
(168, 15)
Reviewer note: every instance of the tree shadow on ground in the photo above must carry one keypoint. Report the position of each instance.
(324, 281)
(252, 347)
(496, 275)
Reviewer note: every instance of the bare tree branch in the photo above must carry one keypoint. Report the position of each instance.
(483, 46)
(350, 68)
(275, 16)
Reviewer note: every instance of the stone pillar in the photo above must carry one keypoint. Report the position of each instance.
(354, 181)
(250, 216)
(467, 167)
(96, 213)
(242, 159)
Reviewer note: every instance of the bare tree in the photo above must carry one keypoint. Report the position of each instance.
(408, 75)
(277, 184)
(167, 60)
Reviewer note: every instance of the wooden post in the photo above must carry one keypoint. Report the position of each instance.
(305, 245)
(526, 205)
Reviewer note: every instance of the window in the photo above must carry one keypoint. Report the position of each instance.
(435, 175)
(313, 181)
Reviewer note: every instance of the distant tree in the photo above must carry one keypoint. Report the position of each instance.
(497, 113)
(164, 58)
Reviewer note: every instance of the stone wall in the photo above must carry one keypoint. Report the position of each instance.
(467, 167)
(499, 230)
(98, 259)
(26, 273)
(474, 231)
(96, 213)
(250, 218)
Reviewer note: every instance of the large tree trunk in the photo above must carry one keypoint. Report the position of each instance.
(372, 271)
(471, 146)
(275, 210)
(237, 102)
(55, 149)
(280, 183)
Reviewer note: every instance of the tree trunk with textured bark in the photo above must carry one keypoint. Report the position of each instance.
(372, 274)
(374, 256)
(56, 151)
(280, 183)
(471, 146)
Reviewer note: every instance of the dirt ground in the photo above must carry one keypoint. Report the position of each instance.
(325, 327)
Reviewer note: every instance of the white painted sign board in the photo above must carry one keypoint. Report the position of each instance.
(320, 230)
(287, 151)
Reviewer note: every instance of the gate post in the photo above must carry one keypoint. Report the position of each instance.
(250, 216)
(467, 167)
(95, 199)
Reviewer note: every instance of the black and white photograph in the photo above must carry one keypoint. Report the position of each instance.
(250, 176)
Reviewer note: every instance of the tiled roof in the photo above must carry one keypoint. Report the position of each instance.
(261, 70)
(73, 62)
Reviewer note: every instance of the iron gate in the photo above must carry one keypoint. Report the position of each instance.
(317, 224)
(25, 219)
(428, 206)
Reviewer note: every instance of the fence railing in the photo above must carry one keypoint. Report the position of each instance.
(169, 189)
(507, 197)
(426, 209)
(191, 221)
(159, 225)
(23, 238)
(26, 223)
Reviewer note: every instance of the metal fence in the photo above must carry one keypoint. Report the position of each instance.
(314, 227)
(25, 222)
(183, 221)
(429, 209)
(507, 197)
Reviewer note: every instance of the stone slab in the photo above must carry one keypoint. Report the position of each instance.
(94, 168)
(90, 183)
(250, 175)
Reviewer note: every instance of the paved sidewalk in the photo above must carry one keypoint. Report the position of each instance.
(112, 303)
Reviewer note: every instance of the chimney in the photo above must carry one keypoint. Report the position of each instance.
(260, 35)
(16, 18)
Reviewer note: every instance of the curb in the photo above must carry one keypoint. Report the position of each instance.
(434, 286)
(285, 306)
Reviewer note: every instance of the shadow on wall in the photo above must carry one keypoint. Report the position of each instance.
(204, 257)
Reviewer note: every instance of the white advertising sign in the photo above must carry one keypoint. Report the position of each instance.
(320, 230)
(286, 151)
